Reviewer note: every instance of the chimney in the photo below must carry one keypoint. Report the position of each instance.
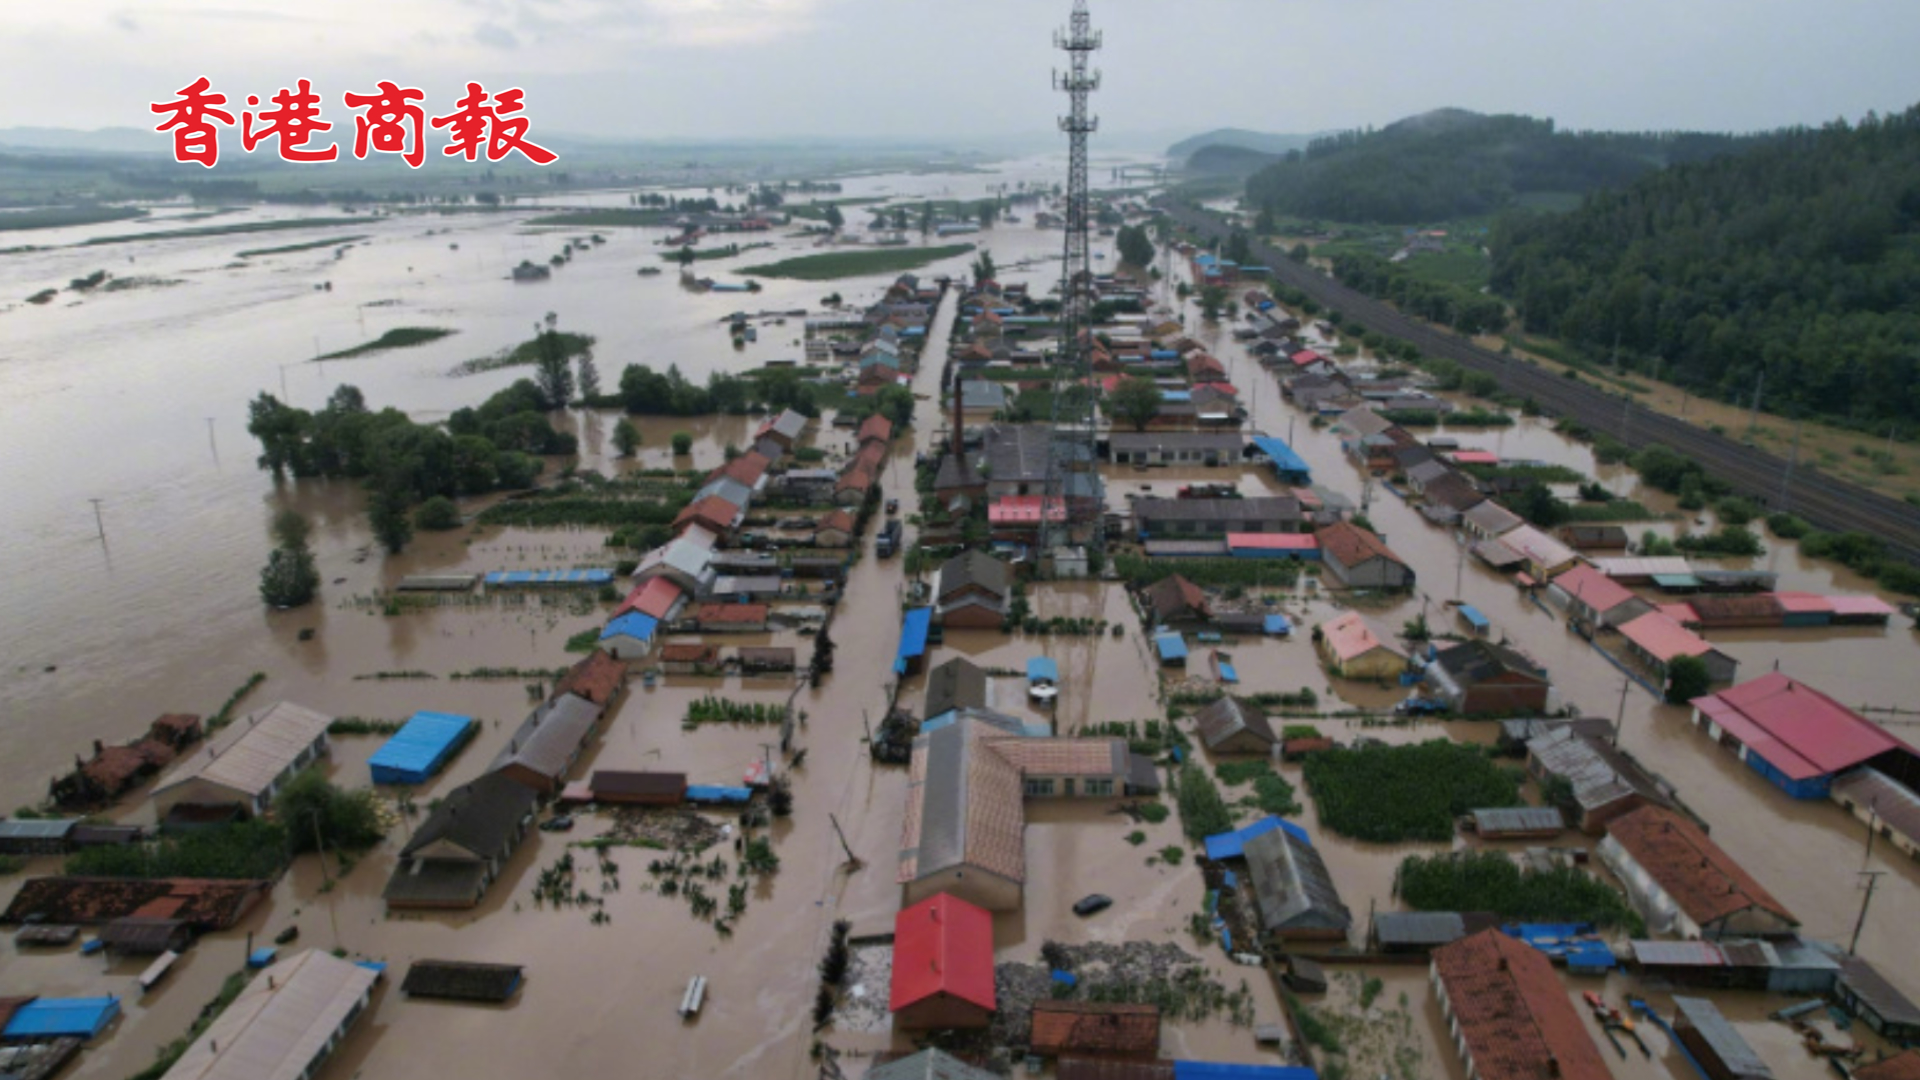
(99, 748)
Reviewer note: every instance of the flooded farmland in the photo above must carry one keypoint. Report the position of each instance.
(138, 399)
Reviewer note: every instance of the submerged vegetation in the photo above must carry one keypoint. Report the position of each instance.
(840, 264)
(1430, 784)
(288, 249)
(397, 338)
(1492, 881)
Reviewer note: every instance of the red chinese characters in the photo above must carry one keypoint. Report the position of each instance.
(384, 127)
(194, 137)
(477, 121)
(295, 120)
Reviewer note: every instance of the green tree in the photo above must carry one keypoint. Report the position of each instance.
(1136, 400)
(685, 256)
(1212, 299)
(926, 218)
(437, 514)
(834, 218)
(1687, 678)
(982, 267)
(552, 375)
(316, 812)
(986, 212)
(626, 437)
(1134, 245)
(281, 430)
(589, 377)
(290, 577)
(387, 504)
(682, 444)
(1538, 504)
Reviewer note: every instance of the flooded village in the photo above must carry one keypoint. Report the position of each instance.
(833, 664)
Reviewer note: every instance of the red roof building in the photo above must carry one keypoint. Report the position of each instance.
(658, 597)
(942, 965)
(1657, 640)
(876, 427)
(1024, 511)
(1684, 883)
(748, 468)
(1510, 1012)
(1095, 1030)
(1796, 736)
(712, 513)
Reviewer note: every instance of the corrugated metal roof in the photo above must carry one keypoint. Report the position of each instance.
(419, 747)
(48, 1018)
(549, 737)
(1292, 887)
(1865, 982)
(929, 1065)
(281, 1023)
(249, 755)
(1419, 927)
(1725, 1043)
(36, 829)
(1518, 819)
(1678, 953)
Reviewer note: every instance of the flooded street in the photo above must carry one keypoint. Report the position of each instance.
(139, 399)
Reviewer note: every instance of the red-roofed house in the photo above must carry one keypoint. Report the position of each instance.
(1352, 649)
(658, 597)
(1796, 736)
(733, 618)
(1596, 599)
(713, 513)
(749, 468)
(1475, 457)
(1509, 1013)
(835, 530)
(942, 965)
(1360, 560)
(1657, 639)
(875, 428)
(1682, 883)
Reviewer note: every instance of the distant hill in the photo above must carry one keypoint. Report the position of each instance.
(114, 140)
(1799, 257)
(1264, 142)
(1454, 163)
(1217, 160)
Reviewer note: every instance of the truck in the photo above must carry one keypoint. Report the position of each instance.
(888, 542)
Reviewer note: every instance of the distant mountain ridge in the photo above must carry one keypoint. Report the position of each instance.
(1261, 141)
(1218, 160)
(1451, 163)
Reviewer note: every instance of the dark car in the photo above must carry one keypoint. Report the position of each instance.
(1092, 904)
(557, 824)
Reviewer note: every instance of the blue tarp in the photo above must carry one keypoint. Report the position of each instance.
(913, 637)
(378, 967)
(1218, 1070)
(1171, 646)
(1176, 395)
(1278, 625)
(1227, 674)
(634, 624)
(1232, 845)
(419, 748)
(261, 957)
(51, 1018)
(1563, 941)
(1064, 978)
(1042, 668)
(717, 793)
(1474, 618)
(1289, 465)
(550, 577)
(1162, 354)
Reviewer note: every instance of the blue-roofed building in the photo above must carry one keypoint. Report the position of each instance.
(1289, 465)
(418, 750)
(1220, 1070)
(718, 793)
(630, 636)
(914, 629)
(1232, 845)
(1276, 625)
(1172, 649)
(1476, 622)
(53, 1018)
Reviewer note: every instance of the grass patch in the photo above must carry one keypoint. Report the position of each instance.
(1203, 812)
(397, 338)
(1611, 510)
(227, 230)
(1139, 570)
(1490, 881)
(1429, 784)
(225, 716)
(842, 264)
(362, 725)
(60, 217)
(610, 217)
(585, 641)
(1545, 473)
(247, 849)
(308, 246)
(525, 354)
(725, 251)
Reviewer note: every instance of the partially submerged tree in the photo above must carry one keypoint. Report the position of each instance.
(1136, 400)
(290, 578)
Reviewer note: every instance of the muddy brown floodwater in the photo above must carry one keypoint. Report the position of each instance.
(163, 617)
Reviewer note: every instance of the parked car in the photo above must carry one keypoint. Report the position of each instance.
(1419, 706)
(1092, 904)
(561, 823)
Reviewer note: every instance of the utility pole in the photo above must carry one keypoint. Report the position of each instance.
(1753, 418)
(1873, 879)
(853, 861)
(1873, 823)
(99, 522)
(1620, 717)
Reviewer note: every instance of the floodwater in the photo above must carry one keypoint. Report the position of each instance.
(163, 617)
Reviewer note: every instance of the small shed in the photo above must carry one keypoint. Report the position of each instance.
(1416, 931)
(419, 749)
(1172, 649)
(139, 935)
(629, 636)
(54, 1018)
(1518, 823)
(764, 661)
(1304, 976)
(638, 788)
(1715, 1045)
(35, 836)
(459, 980)
(915, 626)
(689, 658)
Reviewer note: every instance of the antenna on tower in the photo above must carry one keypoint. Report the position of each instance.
(1073, 483)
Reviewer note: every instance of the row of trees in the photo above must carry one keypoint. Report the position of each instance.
(1796, 259)
(646, 392)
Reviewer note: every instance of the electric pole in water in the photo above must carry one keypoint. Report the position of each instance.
(1873, 879)
(99, 522)
(1620, 717)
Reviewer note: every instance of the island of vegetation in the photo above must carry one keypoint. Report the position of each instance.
(840, 264)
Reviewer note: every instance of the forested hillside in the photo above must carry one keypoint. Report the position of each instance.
(1452, 163)
(1217, 160)
(1801, 256)
(1260, 141)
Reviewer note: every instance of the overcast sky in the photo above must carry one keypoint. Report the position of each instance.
(963, 70)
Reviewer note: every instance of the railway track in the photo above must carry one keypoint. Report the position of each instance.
(1827, 502)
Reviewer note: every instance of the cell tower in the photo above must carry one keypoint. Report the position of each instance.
(1073, 481)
